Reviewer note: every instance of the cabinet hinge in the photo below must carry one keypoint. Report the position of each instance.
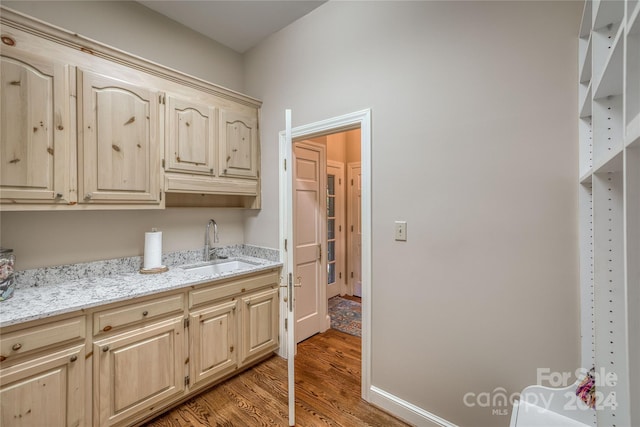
(187, 380)
(162, 163)
(286, 324)
(160, 195)
(186, 323)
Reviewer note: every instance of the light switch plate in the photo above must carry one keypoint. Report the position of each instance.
(401, 231)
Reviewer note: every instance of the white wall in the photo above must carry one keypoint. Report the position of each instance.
(136, 29)
(54, 238)
(475, 146)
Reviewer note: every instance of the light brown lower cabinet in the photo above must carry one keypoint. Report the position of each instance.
(259, 324)
(137, 370)
(45, 390)
(151, 361)
(142, 356)
(213, 344)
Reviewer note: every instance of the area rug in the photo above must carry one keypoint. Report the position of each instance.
(346, 315)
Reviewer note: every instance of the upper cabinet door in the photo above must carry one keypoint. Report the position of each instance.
(118, 147)
(34, 129)
(238, 144)
(190, 134)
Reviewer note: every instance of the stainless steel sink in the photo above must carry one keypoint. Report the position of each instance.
(221, 266)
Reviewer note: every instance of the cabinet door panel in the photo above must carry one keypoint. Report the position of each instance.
(33, 128)
(238, 145)
(119, 148)
(259, 324)
(45, 391)
(136, 370)
(213, 342)
(191, 137)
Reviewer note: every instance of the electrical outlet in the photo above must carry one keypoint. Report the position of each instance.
(401, 231)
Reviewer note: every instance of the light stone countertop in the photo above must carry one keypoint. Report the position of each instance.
(46, 300)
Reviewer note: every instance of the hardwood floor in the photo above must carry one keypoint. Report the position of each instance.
(327, 392)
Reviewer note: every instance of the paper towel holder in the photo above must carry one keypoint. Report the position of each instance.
(157, 268)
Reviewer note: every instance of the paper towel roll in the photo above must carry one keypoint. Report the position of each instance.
(152, 249)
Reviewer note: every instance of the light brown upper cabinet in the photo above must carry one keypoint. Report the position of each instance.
(118, 148)
(88, 127)
(190, 137)
(34, 129)
(239, 149)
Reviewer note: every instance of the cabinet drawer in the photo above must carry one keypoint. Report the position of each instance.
(105, 321)
(39, 337)
(224, 290)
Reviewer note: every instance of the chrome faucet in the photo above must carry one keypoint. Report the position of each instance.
(207, 245)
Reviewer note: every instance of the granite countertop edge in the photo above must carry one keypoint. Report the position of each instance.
(35, 303)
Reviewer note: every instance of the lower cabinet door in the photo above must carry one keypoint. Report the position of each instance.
(136, 371)
(44, 391)
(259, 324)
(212, 341)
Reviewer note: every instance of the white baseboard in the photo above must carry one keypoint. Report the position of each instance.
(405, 410)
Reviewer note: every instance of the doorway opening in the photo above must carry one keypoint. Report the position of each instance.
(342, 237)
(331, 135)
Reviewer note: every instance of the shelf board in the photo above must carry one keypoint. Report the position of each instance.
(585, 106)
(611, 79)
(608, 12)
(585, 67)
(632, 133)
(633, 25)
(613, 163)
(587, 177)
(585, 26)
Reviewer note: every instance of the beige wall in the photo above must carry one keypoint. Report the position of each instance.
(56, 238)
(129, 26)
(53, 238)
(343, 146)
(475, 146)
(352, 145)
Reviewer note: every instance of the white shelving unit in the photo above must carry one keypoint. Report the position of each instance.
(609, 197)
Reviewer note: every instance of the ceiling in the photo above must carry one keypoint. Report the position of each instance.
(237, 24)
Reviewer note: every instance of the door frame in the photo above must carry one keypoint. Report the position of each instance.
(359, 119)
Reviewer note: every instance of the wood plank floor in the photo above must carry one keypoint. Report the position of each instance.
(327, 392)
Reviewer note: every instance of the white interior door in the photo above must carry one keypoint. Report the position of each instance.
(286, 189)
(354, 213)
(309, 207)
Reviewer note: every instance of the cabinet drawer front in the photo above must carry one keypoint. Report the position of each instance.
(105, 321)
(225, 290)
(39, 337)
